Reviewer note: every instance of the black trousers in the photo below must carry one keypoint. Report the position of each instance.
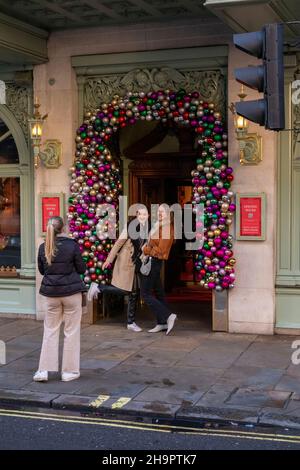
(151, 283)
(132, 299)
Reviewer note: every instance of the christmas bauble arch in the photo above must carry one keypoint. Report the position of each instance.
(95, 179)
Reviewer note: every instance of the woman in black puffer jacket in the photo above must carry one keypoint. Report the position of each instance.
(60, 262)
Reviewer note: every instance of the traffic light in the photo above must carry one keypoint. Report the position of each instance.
(267, 78)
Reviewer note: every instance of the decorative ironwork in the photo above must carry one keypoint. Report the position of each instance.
(18, 101)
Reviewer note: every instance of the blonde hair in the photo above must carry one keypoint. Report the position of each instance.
(54, 226)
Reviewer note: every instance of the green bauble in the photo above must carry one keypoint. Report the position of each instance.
(207, 132)
(98, 271)
(214, 217)
(71, 200)
(217, 137)
(206, 246)
(210, 183)
(210, 196)
(83, 135)
(211, 126)
(216, 178)
(143, 113)
(227, 185)
(199, 161)
(101, 148)
(217, 164)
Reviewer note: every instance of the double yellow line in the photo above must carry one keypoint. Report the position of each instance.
(96, 421)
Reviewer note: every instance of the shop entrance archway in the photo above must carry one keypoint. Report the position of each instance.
(96, 179)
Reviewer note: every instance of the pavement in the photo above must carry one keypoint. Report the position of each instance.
(192, 375)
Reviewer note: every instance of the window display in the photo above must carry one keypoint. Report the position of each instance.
(10, 229)
(8, 148)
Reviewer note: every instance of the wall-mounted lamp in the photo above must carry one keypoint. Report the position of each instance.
(250, 144)
(51, 155)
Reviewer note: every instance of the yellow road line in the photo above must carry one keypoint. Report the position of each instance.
(120, 403)
(99, 400)
(142, 428)
(149, 426)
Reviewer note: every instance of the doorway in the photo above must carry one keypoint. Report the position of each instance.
(167, 179)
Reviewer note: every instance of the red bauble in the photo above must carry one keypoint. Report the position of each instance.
(87, 244)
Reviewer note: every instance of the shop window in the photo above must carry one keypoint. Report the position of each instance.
(8, 148)
(10, 227)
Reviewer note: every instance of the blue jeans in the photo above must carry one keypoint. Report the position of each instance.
(151, 283)
(132, 299)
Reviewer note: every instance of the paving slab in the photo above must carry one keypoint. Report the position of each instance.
(217, 395)
(113, 388)
(97, 364)
(251, 376)
(160, 358)
(115, 354)
(218, 356)
(275, 355)
(169, 395)
(288, 382)
(13, 381)
(253, 397)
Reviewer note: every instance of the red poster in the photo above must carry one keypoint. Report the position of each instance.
(250, 217)
(50, 208)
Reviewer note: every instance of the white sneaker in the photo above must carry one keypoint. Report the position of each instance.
(67, 376)
(133, 327)
(158, 328)
(41, 376)
(92, 292)
(170, 322)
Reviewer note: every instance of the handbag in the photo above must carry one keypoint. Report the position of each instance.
(146, 266)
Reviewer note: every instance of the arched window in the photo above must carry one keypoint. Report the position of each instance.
(10, 226)
(16, 199)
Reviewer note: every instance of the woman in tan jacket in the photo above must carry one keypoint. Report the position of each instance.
(126, 254)
(158, 248)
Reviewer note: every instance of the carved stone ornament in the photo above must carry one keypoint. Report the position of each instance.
(2, 92)
(296, 135)
(101, 89)
(51, 154)
(18, 101)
